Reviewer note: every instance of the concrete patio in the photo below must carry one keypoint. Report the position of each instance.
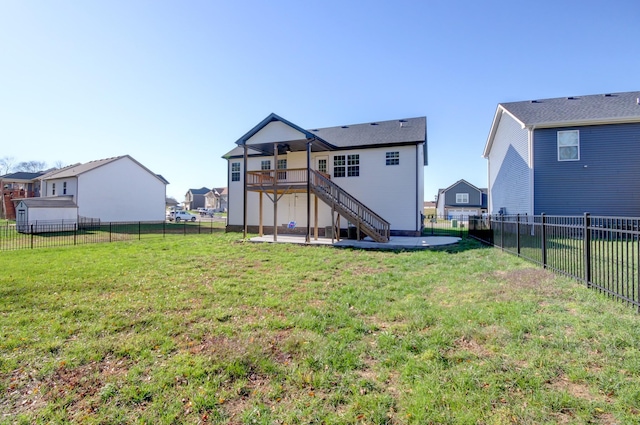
(396, 243)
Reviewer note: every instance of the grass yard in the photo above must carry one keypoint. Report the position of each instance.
(206, 329)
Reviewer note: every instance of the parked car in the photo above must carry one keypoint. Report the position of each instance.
(207, 211)
(181, 215)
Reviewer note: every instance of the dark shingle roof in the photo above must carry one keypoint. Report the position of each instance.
(50, 202)
(201, 191)
(383, 133)
(409, 130)
(583, 110)
(21, 175)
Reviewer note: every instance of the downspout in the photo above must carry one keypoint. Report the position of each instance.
(531, 171)
(418, 210)
(244, 202)
(226, 227)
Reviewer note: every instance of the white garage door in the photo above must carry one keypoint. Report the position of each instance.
(457, 213)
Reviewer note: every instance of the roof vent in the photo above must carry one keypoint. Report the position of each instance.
(535, 101)
(315, 129)
(374, 123)
(572, 98)
(638, 101)
(345, 126)
(608, 95)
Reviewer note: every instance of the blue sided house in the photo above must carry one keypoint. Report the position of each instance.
(566, 156)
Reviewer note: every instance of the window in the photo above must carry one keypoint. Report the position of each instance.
(265, 165)
(282, 165)
(322, 165)
(339, 163)
(462, 198)
(64, 188)
(53, 188)
(393, 158)
(353, 165)
(569, 145)
(235, 171)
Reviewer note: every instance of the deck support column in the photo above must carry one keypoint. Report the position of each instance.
(315, 207)
(275, 192)
(260, 230)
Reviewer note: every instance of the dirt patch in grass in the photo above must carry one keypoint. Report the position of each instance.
(78, 386)
(538, 280)
(575, 389)
(472, 346)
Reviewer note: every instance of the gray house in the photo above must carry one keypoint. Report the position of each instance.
(461, 199)
(195, 198)
(566, 156)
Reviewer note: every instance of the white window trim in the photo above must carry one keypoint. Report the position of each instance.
(462, 199)
(577, 144)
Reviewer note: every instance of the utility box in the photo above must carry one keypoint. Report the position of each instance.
(454, 223)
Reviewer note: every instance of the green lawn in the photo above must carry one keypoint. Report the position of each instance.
(206, 329)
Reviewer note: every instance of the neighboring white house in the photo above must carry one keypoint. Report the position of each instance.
(372, 175)
(117, 189)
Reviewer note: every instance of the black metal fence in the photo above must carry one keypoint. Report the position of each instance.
(603, 252)
(446, 226)
(50, 234)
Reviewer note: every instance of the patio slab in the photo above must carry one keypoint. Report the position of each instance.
(394, 244)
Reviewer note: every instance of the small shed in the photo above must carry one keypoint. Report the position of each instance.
(48, 214)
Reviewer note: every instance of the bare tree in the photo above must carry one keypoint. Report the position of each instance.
(31, 166)
(58, 164)
(6, 164)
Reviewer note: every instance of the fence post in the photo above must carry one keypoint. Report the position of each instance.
(31, 235)
(75, 233)
(587, 249)
(139, 231)
(164, 228)
(109, 231)
(544, 240)
(502, 232)
(518, 233)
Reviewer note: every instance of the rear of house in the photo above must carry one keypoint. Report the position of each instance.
(381, 164)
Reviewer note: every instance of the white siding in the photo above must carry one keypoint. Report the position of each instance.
(275, 131)
(121, 190)
(510, 168)
(395, 192)
(72, 187)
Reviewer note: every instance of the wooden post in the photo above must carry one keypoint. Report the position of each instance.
(275, 192)
(315, 207)
(260, 230)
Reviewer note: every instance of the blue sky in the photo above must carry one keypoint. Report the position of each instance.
(175, 84)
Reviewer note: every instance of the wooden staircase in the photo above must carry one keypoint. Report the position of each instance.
(365, 220)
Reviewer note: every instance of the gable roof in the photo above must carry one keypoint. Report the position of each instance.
(461, 181)
(201, 191)
(378, 133)
(78, 169)
(609, 108)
